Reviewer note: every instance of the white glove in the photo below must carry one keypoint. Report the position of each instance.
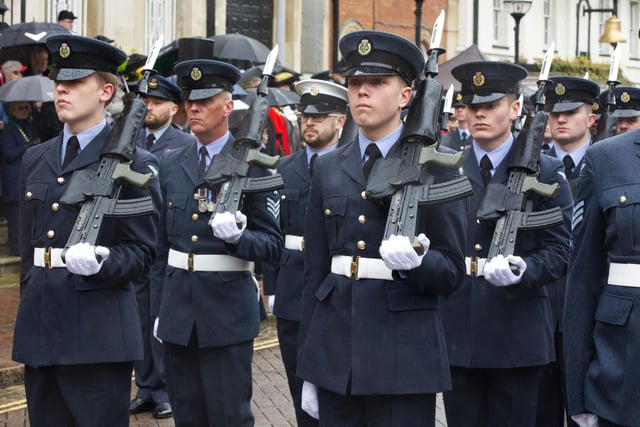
(155, 329)
(229, 227)
(586, 420)
(310, 400)
(82, 258)
(398, 254)
(271, 301)
(498, 270)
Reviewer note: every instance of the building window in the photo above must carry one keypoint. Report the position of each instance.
(634, 13)
(159, 20)
(548, 23)
(498, 19)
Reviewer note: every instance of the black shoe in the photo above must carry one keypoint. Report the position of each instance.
(138, 406)
(162, 410)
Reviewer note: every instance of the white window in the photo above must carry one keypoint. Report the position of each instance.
(634, 14)
(159, 19)
(498, 20)
(548, 22)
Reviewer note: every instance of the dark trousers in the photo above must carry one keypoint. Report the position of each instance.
(150, 370)
(288, 339)
(402, 410)
(95, 395)
(10, 210)
(209, 386)
(552, 396)
(492, 397)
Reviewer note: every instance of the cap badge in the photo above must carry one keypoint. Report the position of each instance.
(478, 79)
(364, 47)
(196, 74)
(560, 89)
(459, 97)
(313, 90)
(64, 51)
(596, 106)
(625, 97)
(153, 83)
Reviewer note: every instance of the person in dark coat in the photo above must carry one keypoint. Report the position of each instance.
(627, 108)
(601, 327)
(17, 136)
(77, 328)
(499, 324)
(569, 102)
(209, 309)
(322, 114)
(459, 138)
(158, 137)
(371, 347)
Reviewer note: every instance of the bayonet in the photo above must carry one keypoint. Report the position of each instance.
(614, 65)
(436, 34)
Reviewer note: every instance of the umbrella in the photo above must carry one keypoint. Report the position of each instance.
(277, 97)
(241, 47)
(30, 88)
(29, 33)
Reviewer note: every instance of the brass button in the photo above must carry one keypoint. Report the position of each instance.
(623, 199)
(477, 247)
(362, 245)
(195, 196)
(194, 217)
(51, 234)
(55, 207)
(170, 204)
(363, 195)
(60, 180)
(362, 219)
(194, 238)
(283, 197)
(327, 212)
(29, 195)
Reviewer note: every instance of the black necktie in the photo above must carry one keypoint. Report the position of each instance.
(311, 162)
(464, 136)
(73, 145)
(568, 165)
(374, 154)
(202, 166)
(151, 138)
(545, 146)
(485, 169)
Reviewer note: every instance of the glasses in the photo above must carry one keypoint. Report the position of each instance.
(317, 118)
(16, 72)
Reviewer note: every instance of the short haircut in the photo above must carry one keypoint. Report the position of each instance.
(7, 66)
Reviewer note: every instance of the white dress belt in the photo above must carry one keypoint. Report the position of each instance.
(624, 274)
(48, 257)
(360, 268)
(212, 262)
(293, 243)
(475, 266)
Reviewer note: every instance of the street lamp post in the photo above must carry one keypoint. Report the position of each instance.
(418, 25)
(517, 9)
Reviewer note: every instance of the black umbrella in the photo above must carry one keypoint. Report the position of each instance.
(29, 33)
(239, 47)
(30, 88)
(277, 97)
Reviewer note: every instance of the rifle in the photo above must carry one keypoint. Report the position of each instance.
(227, 173)
(447, 110)
(508, 207)
(406, 180)
(608, 123)
(98, 191)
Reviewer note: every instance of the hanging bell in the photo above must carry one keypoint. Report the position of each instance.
(612, 33)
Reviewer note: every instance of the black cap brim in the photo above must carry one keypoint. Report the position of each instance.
(626, 113)
(68, 74)
(198, 94)
(563, 107)
(474, 99)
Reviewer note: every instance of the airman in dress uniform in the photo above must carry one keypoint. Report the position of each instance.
(498, 325)
(209, 311)
(627, 108)
(78, 329)
(569, 102)
(460, 138)
(159, 135)
(371, 342)
(601, 327)
(322, 109)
